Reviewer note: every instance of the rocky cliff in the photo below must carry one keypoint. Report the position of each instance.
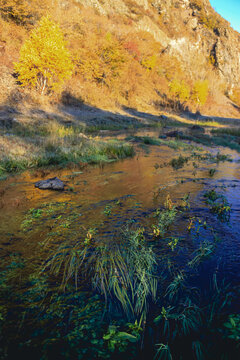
(189, 29)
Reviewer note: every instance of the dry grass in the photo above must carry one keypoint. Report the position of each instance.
(210, 122)
(32, 144)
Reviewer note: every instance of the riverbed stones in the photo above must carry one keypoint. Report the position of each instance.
(50, 184)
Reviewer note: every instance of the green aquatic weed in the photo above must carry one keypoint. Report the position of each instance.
(108, 210)
(218, 205)
(212, 172)
(173, 244)
(163, 352)
(205, 250)
(178, 163)
(232, 327)
(118, 339)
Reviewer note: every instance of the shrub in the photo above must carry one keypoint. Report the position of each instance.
(17, 10)
(101, 60)
(44, 60)
(200, 92)
(150, 62)
(179, 90)
(235, 96)
(132, 48)
(112, 55)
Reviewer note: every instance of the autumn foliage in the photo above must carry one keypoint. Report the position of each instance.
(18, 10)
(200, 92)
(44, 61)
(102, 60)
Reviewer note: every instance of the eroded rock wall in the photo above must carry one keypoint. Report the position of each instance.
(190, 29)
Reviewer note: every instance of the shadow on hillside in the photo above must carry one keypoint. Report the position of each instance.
(10, 109)
(140, 114)
(91, 116)
(187, 114)
(201, 117)
(72, 111)
(220, 119)
(235, 106)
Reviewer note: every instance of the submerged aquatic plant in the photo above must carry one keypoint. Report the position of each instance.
(212, 172)
(124, 272)
(218, 205)
(198, 350)
(205, 250)
(108, 210)
(127, 272)
(119, 339)
(222, 210)
(163, 352)
(232, 327)
(175, 286)
(165, 218)
(211, 196)
(173, 243)
(179, 320)
(178, 163)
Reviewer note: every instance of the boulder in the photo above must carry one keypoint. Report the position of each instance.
(174, 133)
(162, 136)
(164, 117)
(50, 184)
(197, 128)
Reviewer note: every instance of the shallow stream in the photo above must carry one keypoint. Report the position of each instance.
(110, 197)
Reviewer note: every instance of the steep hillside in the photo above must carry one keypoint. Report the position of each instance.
(142, 54)
(190, 29)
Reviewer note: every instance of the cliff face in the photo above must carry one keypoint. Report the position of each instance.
(189, 29)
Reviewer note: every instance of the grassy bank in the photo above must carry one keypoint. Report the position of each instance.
(29, 146)
(32, 142)
(216, 139)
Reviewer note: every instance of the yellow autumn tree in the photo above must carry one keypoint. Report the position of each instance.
(179, 90)
(44, 61)
(200, 92)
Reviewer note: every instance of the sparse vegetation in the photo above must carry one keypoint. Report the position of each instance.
(218, 205)
(178, 163)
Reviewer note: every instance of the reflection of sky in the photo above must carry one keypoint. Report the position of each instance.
(230, 10)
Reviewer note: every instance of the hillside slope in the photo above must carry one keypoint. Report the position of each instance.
(190, 29)
(132, 53)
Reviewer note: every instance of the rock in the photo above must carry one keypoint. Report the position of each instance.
(197, 128)
(174, 133)
(50, 184)
(162, 136)
(164, 117)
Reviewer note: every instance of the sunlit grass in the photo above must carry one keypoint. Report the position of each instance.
(210, 122)
(227, 131)
(60, 151)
